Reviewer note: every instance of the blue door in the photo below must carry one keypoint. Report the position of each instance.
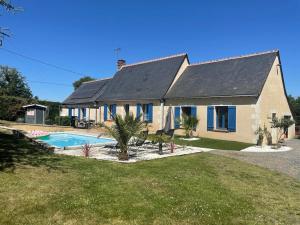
(177, 117)
(105, 112)
(210, 117)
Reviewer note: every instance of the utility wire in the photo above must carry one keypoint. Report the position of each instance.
(49, 83)
(41, 62)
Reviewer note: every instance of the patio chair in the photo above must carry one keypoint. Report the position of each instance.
(170, 133)
(112, 147)
(81, 124)
(140, 141)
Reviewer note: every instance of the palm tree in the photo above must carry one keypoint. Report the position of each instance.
(189, 123)
(123, 130)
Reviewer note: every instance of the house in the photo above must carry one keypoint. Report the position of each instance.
(231, 97)
(82, 102)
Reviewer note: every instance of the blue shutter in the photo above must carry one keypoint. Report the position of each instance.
(210, 117)
(138, 110)
(150, 112)
(177, 117)
(78, 113)
(105, 112)
(194, 112)
(113, 111)
(84, 113)
(70, 112)
(232, 118)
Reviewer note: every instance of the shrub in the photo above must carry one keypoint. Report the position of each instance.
(11, 107)
(281, 125)
(189, 124)
(63, 120)
(123, 130)
(262, 134)
(86, 149)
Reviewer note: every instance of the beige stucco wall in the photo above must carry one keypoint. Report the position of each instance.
(245, 117)
(155, 125)
(180, 71)
(64, 112)
(273, 100)
(91, 113)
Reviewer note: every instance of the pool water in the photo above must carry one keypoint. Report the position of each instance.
(62, 140)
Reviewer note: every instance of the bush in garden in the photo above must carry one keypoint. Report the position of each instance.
(86, 149)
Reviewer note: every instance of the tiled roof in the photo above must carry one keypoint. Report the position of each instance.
(237, 76)
(87, 92)
(144, 80)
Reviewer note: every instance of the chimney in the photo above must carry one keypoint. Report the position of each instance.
(120, 63)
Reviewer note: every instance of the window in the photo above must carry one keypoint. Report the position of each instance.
(222, 117)
(83, 110)
(126, 109)
(180, 111)
(147, 112)
(186, 111)
(112, 110)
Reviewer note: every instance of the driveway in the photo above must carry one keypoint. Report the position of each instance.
(284, 162)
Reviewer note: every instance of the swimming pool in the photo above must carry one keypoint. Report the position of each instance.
(63, 140)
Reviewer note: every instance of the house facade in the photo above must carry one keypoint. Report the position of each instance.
(230, 97)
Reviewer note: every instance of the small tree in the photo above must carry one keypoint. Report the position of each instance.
(281, 125)
(160, 139)
(189, 123)
(86, 150)
(262, 134)
(123, 130)
(13, 83)
(77, 83)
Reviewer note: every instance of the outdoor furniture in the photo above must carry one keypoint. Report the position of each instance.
(81, 124)
(90, 123)
(140, 141)
(170, 133)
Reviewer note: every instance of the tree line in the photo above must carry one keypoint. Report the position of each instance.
(15, 93)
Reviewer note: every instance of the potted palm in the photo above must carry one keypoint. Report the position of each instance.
(123, 130)
(189, 123)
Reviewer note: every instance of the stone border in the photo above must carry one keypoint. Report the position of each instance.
(265, 149)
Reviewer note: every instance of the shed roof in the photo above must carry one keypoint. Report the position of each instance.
(144, 80)
(87, 92)
(35, 106)
(239, 76)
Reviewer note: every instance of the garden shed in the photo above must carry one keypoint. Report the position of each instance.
(35, 113)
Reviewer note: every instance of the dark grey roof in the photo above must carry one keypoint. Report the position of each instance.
(88, 92)
(35, 106)
(145, 80)
(241, 76)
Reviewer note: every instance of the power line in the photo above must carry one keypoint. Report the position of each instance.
(41, 62)
(49, 83)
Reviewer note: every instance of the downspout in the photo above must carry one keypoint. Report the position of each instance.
(162, 106)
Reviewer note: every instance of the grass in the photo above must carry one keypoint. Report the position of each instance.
(213, 143)
(40, 188)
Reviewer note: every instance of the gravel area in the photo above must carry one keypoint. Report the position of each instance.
(136, 154)
(283, 162)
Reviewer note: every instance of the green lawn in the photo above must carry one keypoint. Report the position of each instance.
(213, 143)
(38, 188)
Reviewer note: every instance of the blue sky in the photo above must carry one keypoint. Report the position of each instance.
(82, 36)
